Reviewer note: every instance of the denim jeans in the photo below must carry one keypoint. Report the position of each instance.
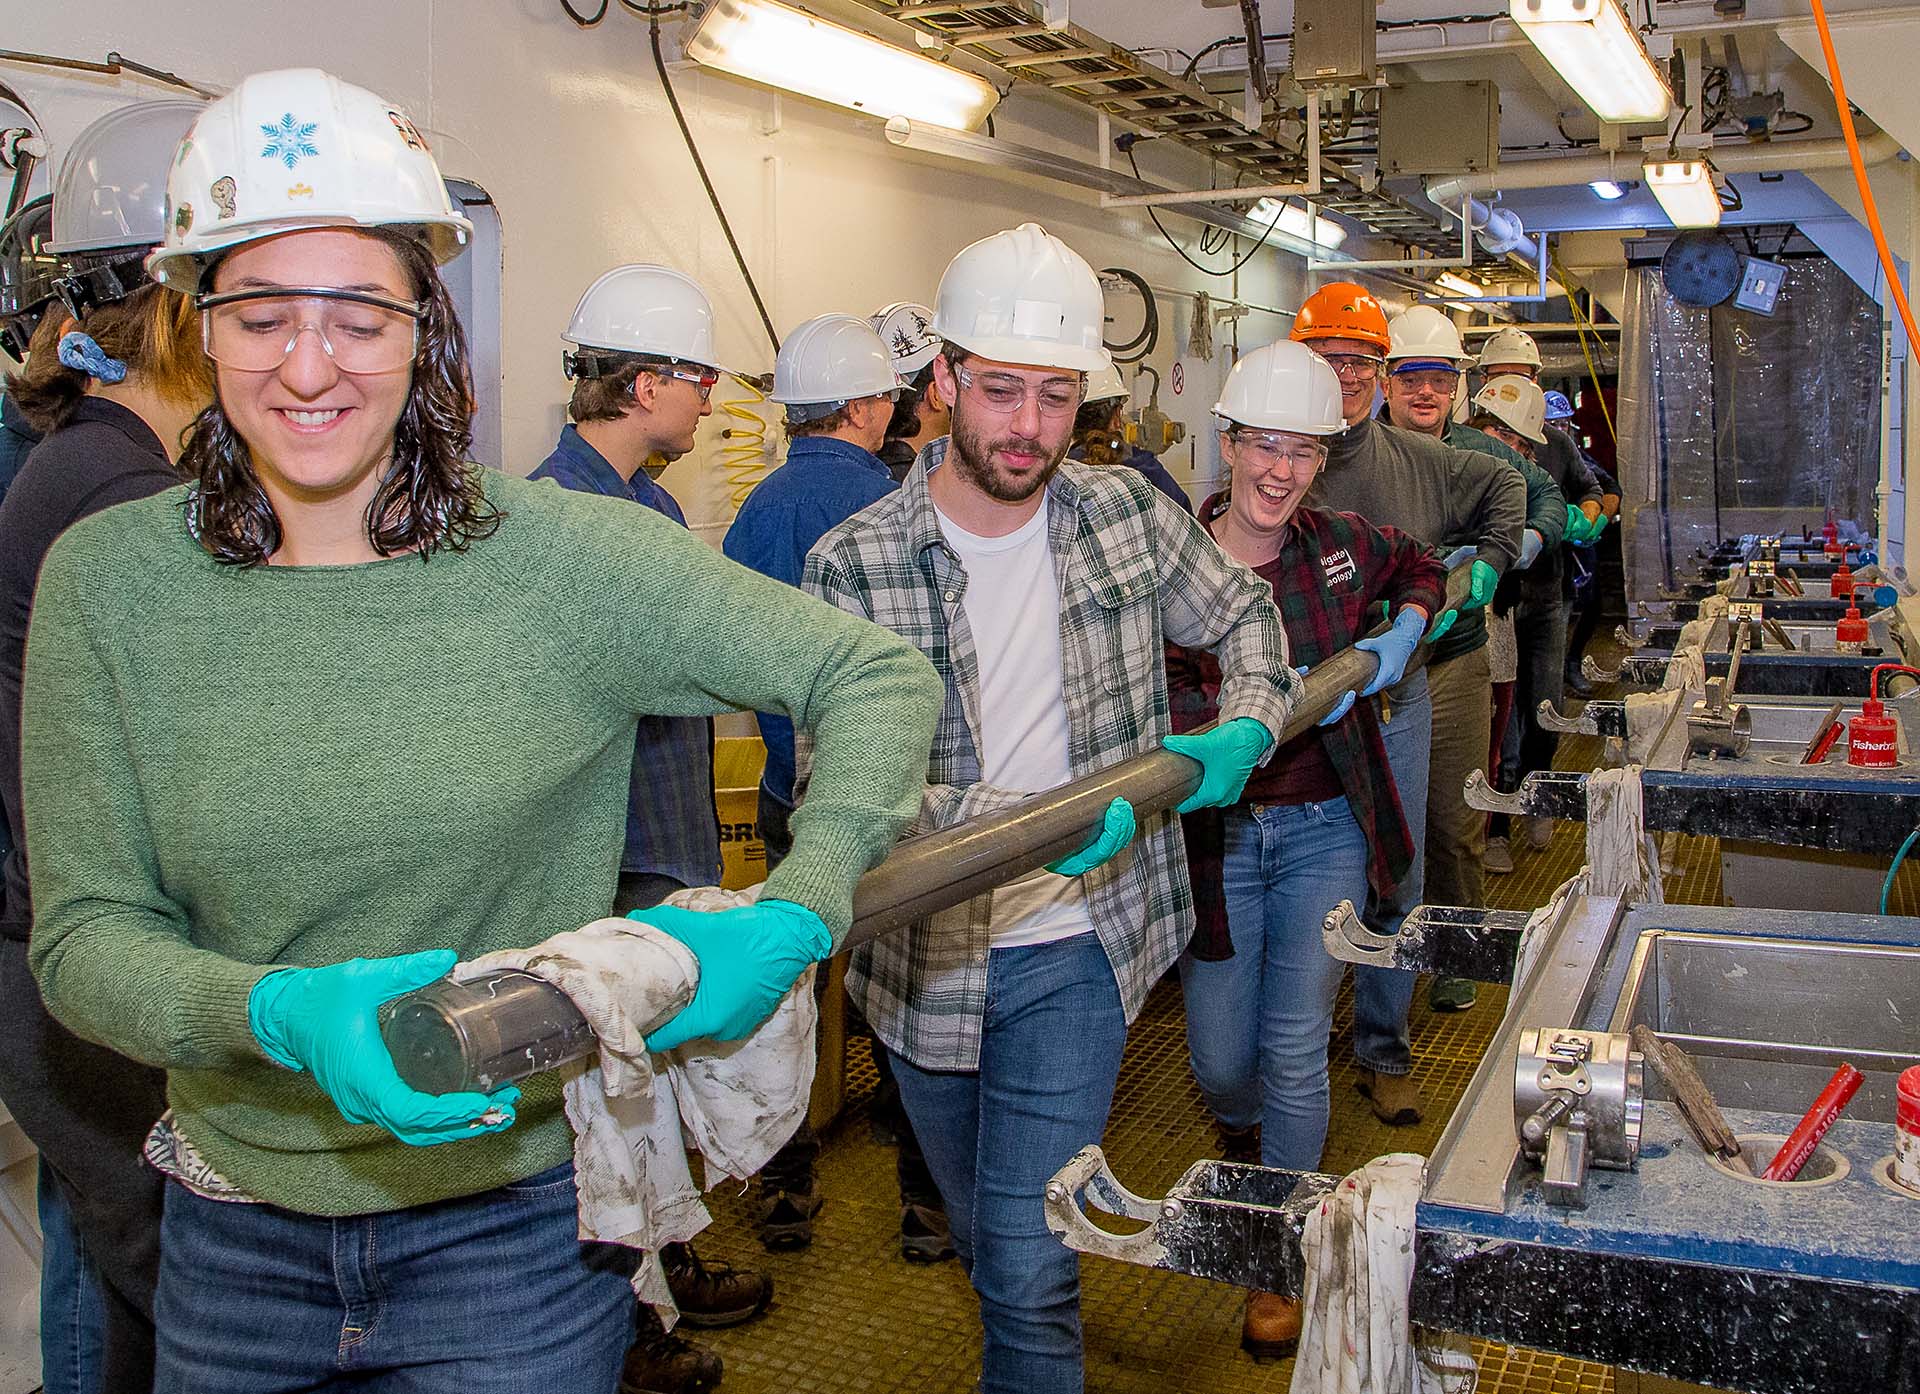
(1382, 996)
(1257, 1023)
(1049, 1057)
(486, 1294)
(72, 1299)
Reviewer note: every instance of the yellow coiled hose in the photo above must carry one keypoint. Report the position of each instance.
(743, 459)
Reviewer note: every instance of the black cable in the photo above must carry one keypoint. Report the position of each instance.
(584, 21)
(1143, 343)
(1205, 270)
(660, 66)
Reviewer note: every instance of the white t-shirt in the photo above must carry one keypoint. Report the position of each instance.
(1012, 604)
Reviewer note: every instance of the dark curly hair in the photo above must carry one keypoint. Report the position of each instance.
(431, 498)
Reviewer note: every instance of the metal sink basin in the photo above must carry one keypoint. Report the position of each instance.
(1782, 726)
(1767, 1020)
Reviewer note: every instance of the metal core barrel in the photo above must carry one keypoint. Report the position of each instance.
(476, 1036)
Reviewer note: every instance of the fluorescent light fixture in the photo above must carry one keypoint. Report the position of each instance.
(1685, 190)
(1591, 45)
(1296, 221)
(1608, 189)
(771, 43)
(1459, 285)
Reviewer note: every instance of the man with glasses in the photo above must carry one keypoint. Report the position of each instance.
(1436, 722)
(643, 369)
(838, 380)
(1044, 593)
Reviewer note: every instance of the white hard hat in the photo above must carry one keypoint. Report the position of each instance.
(1425, 333)
(1285, 386)
(1025, 297)
(829, 361)
(111, 191)
(298, 149)
(652, 310)
(1105, 383)
(1510, 346)
(907, 331)
(1519, 403)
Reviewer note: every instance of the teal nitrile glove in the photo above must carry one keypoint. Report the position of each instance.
(1227, 755)
(1480, 589)
(749, 956)
(1599, 526)
(1531, 543)
(1116, 831)
(1340, 708)
(327, 1020)
(1442, 625)
(1578, 528)
(1393, 649)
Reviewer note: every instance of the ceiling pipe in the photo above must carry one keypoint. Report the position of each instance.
(1784, 156)
(1499, 231)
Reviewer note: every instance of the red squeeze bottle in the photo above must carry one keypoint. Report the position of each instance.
(1809, 1130)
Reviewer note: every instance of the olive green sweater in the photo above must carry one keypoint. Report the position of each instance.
(228, 771)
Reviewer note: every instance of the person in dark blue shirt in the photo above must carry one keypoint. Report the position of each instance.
(1100, 436)
(643, 370)
(836, 376)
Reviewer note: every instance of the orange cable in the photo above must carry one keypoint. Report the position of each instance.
(1860, 175)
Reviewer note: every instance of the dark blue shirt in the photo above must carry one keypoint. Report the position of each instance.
(823, 483)
(16, 439)
(672, 829)
(1149, 464)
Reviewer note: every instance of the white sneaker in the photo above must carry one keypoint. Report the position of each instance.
(1539, 832)
(1499, 858)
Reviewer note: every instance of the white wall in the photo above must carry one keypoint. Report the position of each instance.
(569, 131)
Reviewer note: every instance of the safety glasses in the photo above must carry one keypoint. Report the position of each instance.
(1276, 448)
(1432, 380)
(1003, 394)
(1357, 367)
(254, 331)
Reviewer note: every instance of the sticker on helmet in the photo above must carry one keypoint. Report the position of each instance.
(183, 218)
(409, 132)
(186, 149)
(290, 140)
(224, 191)
(300, 191)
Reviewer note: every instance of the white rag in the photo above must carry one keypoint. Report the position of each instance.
(635, 1115)
(1357, 1334)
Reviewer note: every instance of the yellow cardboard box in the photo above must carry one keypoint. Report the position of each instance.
(737, 763)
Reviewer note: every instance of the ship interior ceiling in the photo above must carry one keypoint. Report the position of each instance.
(1623, 1096)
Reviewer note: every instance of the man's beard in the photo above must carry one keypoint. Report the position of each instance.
(973, 453)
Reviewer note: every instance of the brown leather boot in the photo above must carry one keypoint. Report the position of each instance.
(1396, 1102)
(1271, 1327)
(1239, 1144)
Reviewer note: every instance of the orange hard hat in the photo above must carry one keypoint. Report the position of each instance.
(1343, 310)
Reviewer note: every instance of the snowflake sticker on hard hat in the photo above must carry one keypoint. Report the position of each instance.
(223, 191)
(290, 140)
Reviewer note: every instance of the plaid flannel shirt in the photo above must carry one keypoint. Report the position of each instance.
(1133, 572)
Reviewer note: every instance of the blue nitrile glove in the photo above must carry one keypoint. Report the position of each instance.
(1227, 755)
(1480, 589)
(1459, 555)
(749, 956)
(1393, 649)
(1116, 831)
(1530, 544)
(327, 1020)
(1340, 708)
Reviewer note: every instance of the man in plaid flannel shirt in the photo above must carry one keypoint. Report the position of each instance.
(1043, 593)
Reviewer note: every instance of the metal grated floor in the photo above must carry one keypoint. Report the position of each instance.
(850, 1315)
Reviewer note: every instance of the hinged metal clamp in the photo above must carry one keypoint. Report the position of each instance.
(1577, 1103)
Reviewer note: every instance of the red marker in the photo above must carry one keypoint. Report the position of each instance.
(1809, 1130)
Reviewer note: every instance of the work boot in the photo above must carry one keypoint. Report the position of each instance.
(1395, 1100)
(925, 1236)
(1499, 858)
(1539, 831)
(1239, 1144)
(1445, 994)
(660, 1362)
(1577, 683)
(1271, 1328)
(785, 1218)
(716, 1294)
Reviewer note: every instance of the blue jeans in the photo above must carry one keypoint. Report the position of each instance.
(1257, 1023)
(72, 1299)
(1049, 1057)
(1381, 996)
(487, 1294)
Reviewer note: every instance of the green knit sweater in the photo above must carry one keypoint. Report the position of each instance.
(229, 771)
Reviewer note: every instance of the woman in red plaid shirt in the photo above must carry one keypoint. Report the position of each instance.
(1321, 822)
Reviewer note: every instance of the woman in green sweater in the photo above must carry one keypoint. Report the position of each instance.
(345, 709)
